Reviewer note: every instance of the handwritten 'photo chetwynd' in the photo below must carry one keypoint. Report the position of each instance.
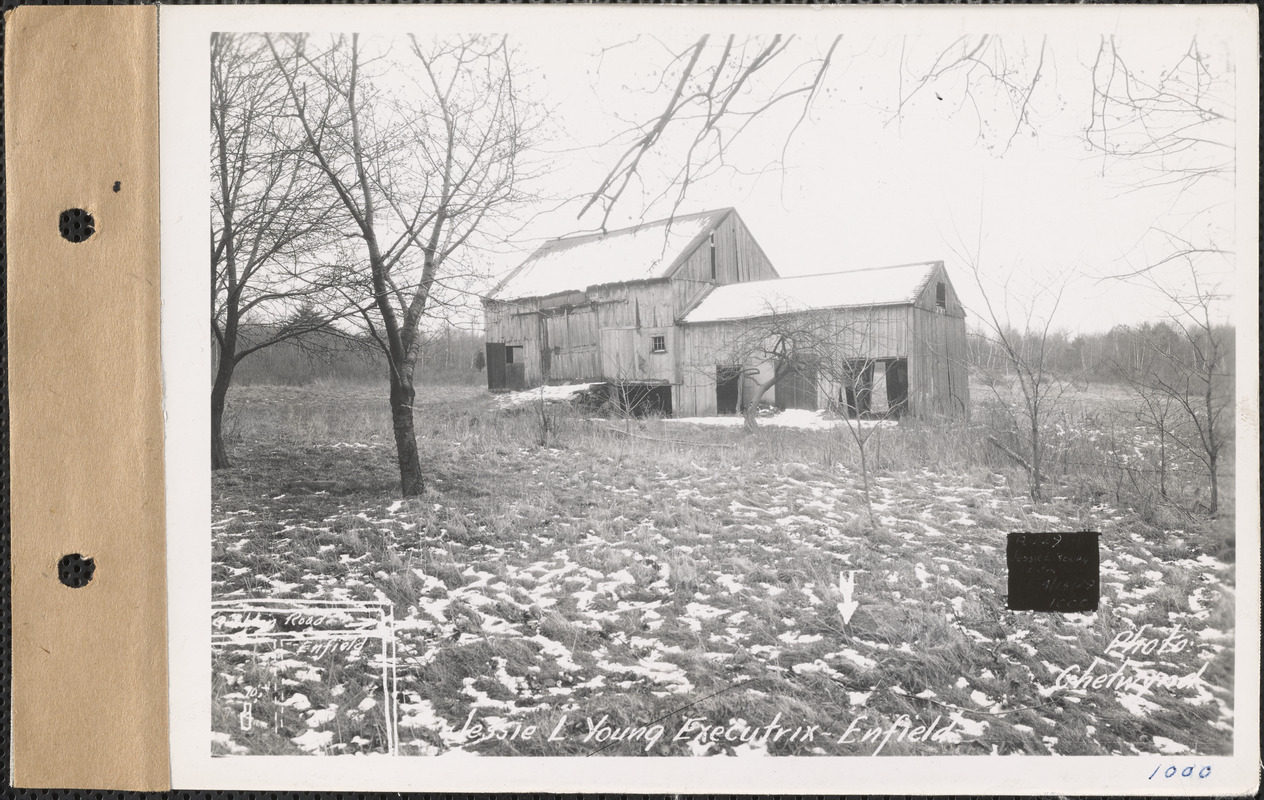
(698, 399)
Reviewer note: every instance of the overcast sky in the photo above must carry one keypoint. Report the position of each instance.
(860, 186)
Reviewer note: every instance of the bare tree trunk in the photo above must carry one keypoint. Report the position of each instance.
(227, 341)
(1213, 443)
(219, 396)
(1162, 461)
(1035, 455)
(864, 474)
(402, 395)
(750, 425)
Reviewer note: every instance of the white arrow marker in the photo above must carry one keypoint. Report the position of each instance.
(847, 584)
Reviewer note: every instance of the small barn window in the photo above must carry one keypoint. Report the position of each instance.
(713, 265)
(941, 295)
(658, 344)
(513, 355)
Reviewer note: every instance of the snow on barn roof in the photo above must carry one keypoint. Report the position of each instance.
(874, 286)
(572, 264)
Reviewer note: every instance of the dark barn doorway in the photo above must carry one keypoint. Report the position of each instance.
(857, 397)
(728, 383)
(505, 368)
(641, 399)
(897, 387)
(496, 366)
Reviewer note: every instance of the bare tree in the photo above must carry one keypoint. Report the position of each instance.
(1187, 381)
(416, 181)
(779, 343)
(1166, 129)
(267, 210)
(1169, 130)
(1155, 411)
(1026, 387)
(714, 90)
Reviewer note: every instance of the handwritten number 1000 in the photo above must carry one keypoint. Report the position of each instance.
(1170, 772)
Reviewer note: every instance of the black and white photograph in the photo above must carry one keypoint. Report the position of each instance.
(760, 384)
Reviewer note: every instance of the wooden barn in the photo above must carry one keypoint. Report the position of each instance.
(897, 333)
(664, 312)
(604, 307)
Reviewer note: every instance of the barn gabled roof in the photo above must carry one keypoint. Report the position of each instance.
(875, 286)
(643, 252)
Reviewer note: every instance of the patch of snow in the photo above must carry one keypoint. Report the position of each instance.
(1169, 747)
(311, 741)
(322, 716)
(964, 728)
(851, 655)
(922, 575)
(550, 394)
(730, 584)
(794, 637)
(298, 702)
(1137, 705)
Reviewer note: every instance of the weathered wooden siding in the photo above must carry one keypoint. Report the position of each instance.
(938, 376)
(633, 305)
(933, 342)
(700, 353)
(702, 349)
(606, 334)
(738, 258)
(926, 299)
(572, 343)
(518, 325)
(629, 316)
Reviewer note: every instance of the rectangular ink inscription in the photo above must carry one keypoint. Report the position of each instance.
(1053, 571)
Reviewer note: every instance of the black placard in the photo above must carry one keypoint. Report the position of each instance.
(1053, 571)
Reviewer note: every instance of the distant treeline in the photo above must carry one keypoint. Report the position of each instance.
(1100, 357)
(455, 356)
(449, 356)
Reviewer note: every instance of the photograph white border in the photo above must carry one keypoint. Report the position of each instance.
(183, 76)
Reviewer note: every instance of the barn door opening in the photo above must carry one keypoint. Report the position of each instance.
(495, 366)
(798, 388)
(644, 400)
(515, 368)
(728, 381)
(897, 387)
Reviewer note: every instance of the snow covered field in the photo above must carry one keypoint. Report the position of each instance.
(594, 589)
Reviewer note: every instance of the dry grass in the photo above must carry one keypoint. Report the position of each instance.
(618, 576)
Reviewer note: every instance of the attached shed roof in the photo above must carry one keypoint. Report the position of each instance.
(644, 252)
(875, 286)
